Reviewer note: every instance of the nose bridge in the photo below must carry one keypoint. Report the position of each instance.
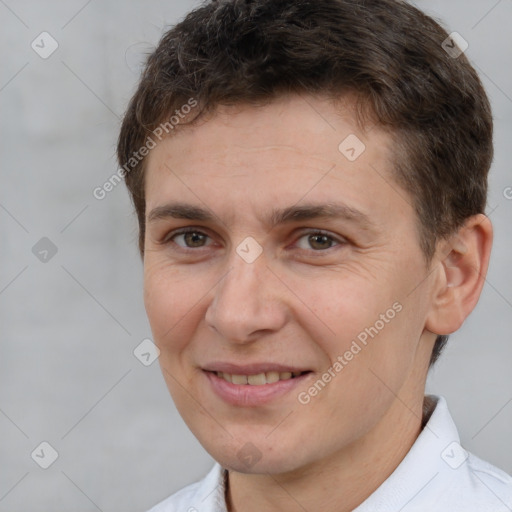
(241, 302)
(241, 282)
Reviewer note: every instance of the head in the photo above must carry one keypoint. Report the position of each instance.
(246, 109)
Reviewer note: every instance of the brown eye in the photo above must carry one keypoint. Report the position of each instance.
(320, 241)
(191, 239)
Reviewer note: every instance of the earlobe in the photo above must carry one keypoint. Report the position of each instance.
(462, 262)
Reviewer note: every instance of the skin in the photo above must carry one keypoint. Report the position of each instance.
(302, 301)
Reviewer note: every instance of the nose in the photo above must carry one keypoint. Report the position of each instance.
(247, 302)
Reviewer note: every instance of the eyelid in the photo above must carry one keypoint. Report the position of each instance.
(317, 231)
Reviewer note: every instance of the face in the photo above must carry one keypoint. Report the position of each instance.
(297, 297)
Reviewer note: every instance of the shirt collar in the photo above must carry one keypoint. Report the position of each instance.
(422, 467)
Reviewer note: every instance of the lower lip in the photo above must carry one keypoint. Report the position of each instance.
(246, 395)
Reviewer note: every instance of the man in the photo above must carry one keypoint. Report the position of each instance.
(310, 181)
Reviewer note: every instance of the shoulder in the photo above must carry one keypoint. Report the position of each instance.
(476, 485)
(464, 481)
(203, 495)
(179, 501)
(489, 484)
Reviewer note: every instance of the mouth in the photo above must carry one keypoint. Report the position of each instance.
(257, 385)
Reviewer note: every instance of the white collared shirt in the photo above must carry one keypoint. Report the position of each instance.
(437, 474)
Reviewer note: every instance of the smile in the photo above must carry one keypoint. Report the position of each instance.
(255, 389)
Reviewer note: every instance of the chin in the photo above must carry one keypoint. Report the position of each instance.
(250, 455)
(274, 466)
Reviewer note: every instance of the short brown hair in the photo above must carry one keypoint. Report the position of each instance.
(387, 52)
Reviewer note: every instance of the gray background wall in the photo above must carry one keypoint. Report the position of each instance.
(69, 324)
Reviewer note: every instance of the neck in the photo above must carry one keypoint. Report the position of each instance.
(341, 482)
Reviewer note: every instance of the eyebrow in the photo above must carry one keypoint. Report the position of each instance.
(292, 213)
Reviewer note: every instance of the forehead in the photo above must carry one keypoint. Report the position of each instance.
(291, 150)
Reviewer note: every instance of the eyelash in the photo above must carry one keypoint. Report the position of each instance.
(311, 232)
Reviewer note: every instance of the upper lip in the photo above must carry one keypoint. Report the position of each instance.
(251, 369)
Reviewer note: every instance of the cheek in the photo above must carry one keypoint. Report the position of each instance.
(344, 307)
(169, 298)
(370, 327)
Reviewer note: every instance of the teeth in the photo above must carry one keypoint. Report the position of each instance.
(238, 379)
(272, 377)
(258, 379)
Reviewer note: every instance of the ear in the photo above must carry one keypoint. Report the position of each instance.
(462, 262)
